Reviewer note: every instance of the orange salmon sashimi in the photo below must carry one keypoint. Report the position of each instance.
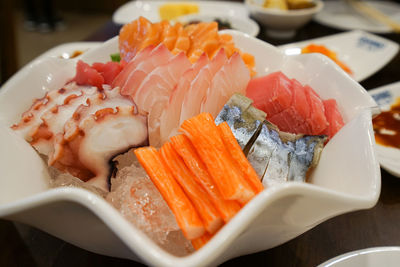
(194, 40)
(182, 145)
(205, 208)
(186, 215)
(205, 137)
(237, 154)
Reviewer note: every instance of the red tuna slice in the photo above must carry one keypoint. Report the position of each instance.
(159, 56)
(232, 78)
(317, 119)
(122, 77)
(87, 75)
(108, 70)
(333, 117)
(270, 93)
(294, 118)
(169, 120)
(153, 94)
(198, 89)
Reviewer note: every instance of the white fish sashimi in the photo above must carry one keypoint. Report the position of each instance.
(158, 56)
(197, 92)
(223, 86)
(154, 92)
(169, 119)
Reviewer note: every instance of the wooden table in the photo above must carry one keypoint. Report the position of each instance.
(379, 226)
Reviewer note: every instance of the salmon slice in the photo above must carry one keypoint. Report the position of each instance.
(204, 37)
(238, 156)
(223, 86)
(182, 43)
(122, 77)
(197, 92)
(158, 56)
(170, 116)
(211, 219)
(204, 135)
(182, 145)
(135, 36)
(201, 241)
(186, 215)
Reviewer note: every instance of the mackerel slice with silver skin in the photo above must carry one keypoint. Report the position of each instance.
(243, 119)
(305, 156)
(278, 156)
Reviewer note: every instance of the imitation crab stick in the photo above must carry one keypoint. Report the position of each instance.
(185, 214)
(197, 243)
(205, 137)
(237, 154)
(211, 218)
(182, 145)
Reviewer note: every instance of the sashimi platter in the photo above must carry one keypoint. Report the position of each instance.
(182, 145)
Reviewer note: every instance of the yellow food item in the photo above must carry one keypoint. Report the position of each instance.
(173, 10)
(277, 4)
(300, 4)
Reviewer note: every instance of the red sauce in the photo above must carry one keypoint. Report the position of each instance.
(387, 126)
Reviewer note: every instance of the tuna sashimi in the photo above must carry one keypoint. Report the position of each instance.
(87, 75)
(333, 117)
(317, 119)
(158, 56)
(294, 118)
(271, 93)
(223, 86)
(170, 117)
(198, 89)
(293, 107)
(109, 70)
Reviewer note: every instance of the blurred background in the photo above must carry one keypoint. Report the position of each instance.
(31, 27)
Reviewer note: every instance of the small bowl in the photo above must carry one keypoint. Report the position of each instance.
(282, 23)
(242, 24)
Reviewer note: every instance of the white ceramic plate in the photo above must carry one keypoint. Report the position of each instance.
(347, 177)
(357, 49)
(244, 24)
(67, 50)
(388, 157)
(338, 14)
(149, 9)
(370, 257)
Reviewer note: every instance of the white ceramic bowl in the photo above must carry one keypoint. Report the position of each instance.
(346, 179)
(282, 23)
(244, 24)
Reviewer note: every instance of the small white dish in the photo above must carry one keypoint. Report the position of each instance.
(340, 15)
(369, 257)
(69, 50)
(357, 49)
(150, 9)
(245, 24)
(346, 179)
(388, 157)
(282, 23)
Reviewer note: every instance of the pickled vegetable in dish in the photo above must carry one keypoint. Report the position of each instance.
(314, 48)
(387, 126)
(288, 4)
(173, 10)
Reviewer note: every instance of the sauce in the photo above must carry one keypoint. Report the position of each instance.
(387, 126)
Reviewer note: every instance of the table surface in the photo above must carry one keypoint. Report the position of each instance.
(25, 246)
